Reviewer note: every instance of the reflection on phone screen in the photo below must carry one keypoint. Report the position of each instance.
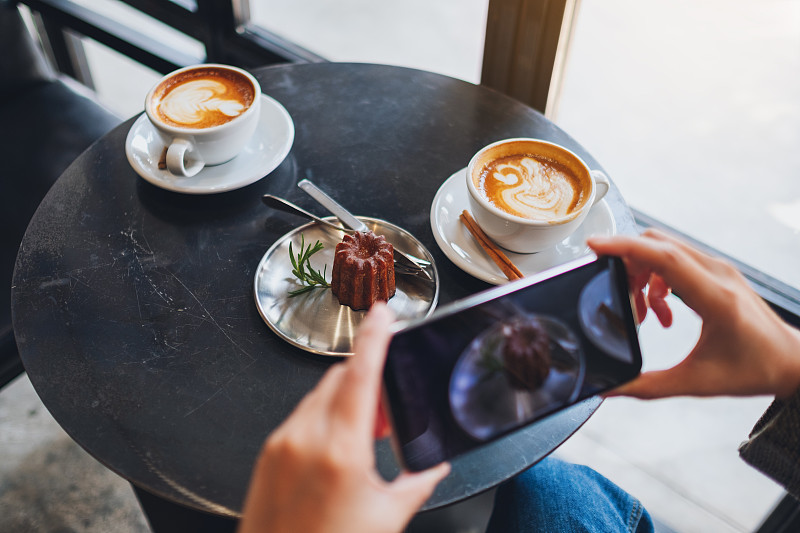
(465, 378)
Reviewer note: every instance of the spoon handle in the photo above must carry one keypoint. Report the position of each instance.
(332, 205)
(288, 207)
(350, 221)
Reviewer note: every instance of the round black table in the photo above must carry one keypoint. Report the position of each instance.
(133, 306)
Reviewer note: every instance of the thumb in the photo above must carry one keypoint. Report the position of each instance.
(411, 490)
(655, 384)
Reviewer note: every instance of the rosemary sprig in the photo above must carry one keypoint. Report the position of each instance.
(488, 361)
(302, 269)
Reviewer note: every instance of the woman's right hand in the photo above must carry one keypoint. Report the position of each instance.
(744, 347)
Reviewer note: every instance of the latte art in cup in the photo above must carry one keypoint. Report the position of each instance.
(531, 187)
(530, 194)
(202, 98)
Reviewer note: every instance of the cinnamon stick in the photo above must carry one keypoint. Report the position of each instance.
(491, 249)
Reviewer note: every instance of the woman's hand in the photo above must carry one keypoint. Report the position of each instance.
(744, 347)
(317, 470)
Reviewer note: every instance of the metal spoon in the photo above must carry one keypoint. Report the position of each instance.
(346, 218)
(288, 207)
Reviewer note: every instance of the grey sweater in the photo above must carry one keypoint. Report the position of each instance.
(774, 444)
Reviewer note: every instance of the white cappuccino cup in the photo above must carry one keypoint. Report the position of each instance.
(204, 114)
(528, 194)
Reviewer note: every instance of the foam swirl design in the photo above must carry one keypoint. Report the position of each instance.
(196, 103)
(530, 188)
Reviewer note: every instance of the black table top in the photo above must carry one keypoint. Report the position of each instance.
(133, 306)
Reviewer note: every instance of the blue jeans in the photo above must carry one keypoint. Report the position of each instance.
(555, 496)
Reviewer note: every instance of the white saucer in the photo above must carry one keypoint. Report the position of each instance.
(269, 146)
(461, 248)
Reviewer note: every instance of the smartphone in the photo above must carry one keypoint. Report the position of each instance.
(487, 365)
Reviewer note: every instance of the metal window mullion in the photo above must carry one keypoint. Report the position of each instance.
(77, 55)
(64, 49)
(241, 13)
(525, 49)
(119, 37)
(218, 19)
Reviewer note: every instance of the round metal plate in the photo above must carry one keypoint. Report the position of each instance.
(315, 321)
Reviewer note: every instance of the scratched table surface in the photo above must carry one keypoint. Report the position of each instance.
(133, 306)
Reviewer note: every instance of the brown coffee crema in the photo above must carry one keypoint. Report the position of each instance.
(202, 98)
(531, 186)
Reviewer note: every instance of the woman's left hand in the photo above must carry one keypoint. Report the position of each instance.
(317, 470)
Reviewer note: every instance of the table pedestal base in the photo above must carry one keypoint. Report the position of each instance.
(166, 517)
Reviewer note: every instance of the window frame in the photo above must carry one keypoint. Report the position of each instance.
(223, 28)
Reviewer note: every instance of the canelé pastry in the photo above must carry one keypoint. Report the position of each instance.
(363, 270)
(526, 354)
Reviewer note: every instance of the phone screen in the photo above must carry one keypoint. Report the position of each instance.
(499, 360)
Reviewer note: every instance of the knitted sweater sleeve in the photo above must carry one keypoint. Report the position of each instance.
(774, 443)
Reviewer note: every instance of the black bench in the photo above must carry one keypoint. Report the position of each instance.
(46, 121)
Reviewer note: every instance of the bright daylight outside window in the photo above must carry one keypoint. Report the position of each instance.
(444, 36)
(690, 106)
(693, 109)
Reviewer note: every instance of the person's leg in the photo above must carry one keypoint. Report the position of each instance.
(555, 496)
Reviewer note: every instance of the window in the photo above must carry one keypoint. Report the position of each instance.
(444, 36)
(693, 109)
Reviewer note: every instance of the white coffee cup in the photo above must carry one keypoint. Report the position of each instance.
(204, 114)
(516, 217)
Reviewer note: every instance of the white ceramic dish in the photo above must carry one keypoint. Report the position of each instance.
(461, 248)
(268, 147)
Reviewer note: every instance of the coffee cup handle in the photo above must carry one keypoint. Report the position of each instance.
(180, 159)
(601, 185)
